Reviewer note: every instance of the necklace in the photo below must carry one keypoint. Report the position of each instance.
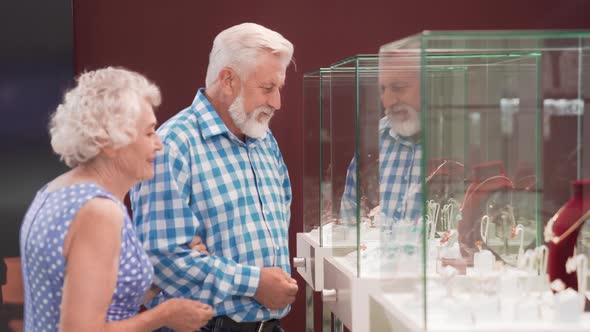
(479, 185)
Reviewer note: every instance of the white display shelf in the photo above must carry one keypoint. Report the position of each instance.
(351, 301)
(338, 240)
(309, 249)
(403, 312)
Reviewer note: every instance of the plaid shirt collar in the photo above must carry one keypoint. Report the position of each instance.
(211, 123)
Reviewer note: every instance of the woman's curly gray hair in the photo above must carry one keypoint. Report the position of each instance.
(102, 110)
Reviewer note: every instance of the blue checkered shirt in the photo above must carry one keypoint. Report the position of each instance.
(400, 186)
(235, 195)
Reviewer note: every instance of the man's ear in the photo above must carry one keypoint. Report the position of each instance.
(228, 80)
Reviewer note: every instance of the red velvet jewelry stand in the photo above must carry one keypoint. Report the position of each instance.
(488, 178)
(559, 253)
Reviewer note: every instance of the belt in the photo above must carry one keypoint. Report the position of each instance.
(230, 324)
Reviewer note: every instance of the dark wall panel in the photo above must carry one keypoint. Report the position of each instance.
(35, 70)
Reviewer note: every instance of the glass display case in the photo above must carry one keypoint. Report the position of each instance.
(348, 202)
(323, 234)
(366, 221)
(504, 181)
(448, 176)
(343, 224)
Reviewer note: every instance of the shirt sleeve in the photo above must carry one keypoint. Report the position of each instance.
(166, 225)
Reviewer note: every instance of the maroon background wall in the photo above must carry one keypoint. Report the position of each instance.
(169, 41)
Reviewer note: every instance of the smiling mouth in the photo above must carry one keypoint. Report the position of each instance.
(400, 115)
(265, 115)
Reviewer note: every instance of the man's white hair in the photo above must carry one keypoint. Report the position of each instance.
(238, 47)
(102, 110)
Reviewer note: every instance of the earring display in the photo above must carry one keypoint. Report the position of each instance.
(488, 203)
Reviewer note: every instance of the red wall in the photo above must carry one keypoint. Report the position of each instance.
(169, 41)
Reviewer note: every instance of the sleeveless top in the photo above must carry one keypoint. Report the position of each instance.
(42, 235)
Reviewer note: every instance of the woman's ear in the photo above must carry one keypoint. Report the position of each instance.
(109, 152)
(107, 148)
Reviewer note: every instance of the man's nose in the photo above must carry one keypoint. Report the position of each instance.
(274, 100)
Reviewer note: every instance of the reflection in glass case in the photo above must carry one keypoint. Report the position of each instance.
(369, 176)
(448, 178)
(505, 177)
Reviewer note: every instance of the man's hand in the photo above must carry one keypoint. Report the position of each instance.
(276, 289)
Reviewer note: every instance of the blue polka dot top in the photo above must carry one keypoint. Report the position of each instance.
(42, 235)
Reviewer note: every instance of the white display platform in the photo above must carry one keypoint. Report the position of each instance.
(403, 312)
(308, 248)
(338, 241)
(351, 303)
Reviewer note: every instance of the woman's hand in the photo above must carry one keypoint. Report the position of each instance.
(151, 293)
(198, 246)
(186, 315)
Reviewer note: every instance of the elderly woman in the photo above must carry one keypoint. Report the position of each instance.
(83, 267)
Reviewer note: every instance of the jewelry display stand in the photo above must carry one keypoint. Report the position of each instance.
(488, 179)
(565, 226)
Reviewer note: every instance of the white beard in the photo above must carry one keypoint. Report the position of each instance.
(248, 123)
(406, 127)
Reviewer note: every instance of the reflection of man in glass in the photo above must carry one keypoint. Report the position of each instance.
(400, 153)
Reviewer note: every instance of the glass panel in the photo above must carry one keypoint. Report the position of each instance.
(401, 179)
(328, 217)
(499, 149)
(378, 204)
(341, 231)
(311, 151)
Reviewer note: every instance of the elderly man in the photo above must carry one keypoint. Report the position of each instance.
(400, 152)
(221, 176)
